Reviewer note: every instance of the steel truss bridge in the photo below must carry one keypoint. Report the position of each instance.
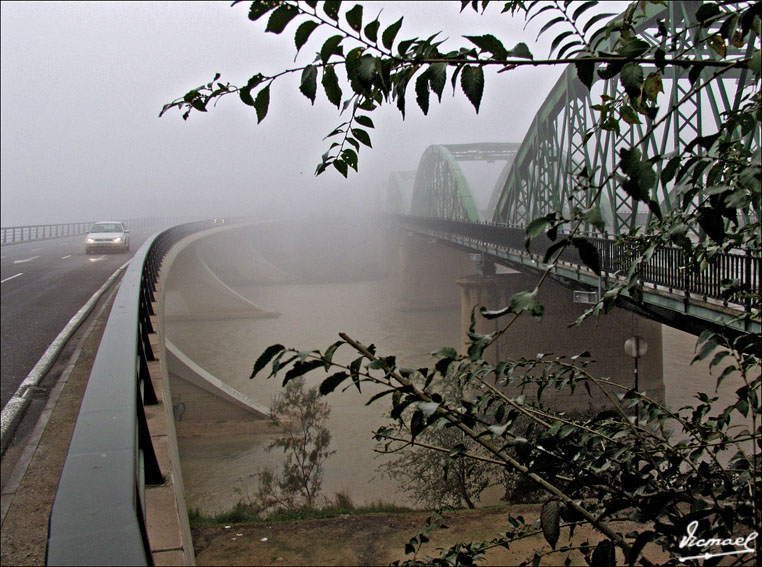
(539, 176)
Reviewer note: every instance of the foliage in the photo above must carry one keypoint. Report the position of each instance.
(638, 460)
(302, 415)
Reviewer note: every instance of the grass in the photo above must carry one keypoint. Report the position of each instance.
(247, 513)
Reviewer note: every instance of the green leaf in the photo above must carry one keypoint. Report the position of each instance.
(422, 92)
(303, 33)
(707, 11)
(472, 83)
(583, 8)
(362, 136)
(588, 254)
(521, 51)
(349, 156)
(301, 368)
(354, 17)
(371, 31)
(245, 95)
(634, 47)
(260, 8)
(438, 78)
(585, 72)
(550, 24)
(712, 223)
(494, 313)
(331, 9)
(527, 301)
(604, 555)
(387, 38)
(631, 77)
(558, 39)
(363, 120)
(266, 357)
(331, 86)
(594, 217)
(537, 226)
(550, 520)
(417, 423)
(280, 18)
(329, 384)
(670, 169)
(490, 44)
(331, 46)
(262, 102)
(629, 115)
(341, 167)
(308, 86)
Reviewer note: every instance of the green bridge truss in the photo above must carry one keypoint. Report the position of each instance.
(541, 177)
(441, 190)
(539, 174)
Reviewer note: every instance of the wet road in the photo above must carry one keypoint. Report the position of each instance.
(42, 286)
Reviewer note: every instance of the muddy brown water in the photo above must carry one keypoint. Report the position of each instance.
(220, 469)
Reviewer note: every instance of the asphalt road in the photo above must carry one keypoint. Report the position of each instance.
(42, 286)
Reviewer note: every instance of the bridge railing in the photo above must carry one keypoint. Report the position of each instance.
(15, 234)
(669, 267)
(98, 516)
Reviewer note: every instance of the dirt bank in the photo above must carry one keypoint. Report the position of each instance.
(375, 539)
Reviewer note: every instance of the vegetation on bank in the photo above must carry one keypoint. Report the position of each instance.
(246, 513)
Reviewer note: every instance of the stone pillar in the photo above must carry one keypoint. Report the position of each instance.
(428, 270)
(603, 338)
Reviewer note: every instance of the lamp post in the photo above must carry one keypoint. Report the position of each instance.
(636, 347)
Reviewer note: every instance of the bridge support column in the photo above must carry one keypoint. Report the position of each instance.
(428, 270)
(603, 338)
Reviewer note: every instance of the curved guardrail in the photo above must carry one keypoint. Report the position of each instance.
(98, 515)
(26, 233)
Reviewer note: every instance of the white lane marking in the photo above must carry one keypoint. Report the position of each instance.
(64, 257)
(10, 278)
(36, 249)
(25, 261)
(98, 259)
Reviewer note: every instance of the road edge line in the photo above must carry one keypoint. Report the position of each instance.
(16, 406)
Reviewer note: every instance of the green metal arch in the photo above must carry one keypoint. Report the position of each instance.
(441, 189)
(557, 146)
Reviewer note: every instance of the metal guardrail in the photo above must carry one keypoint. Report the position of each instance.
(15, 234)
(668, 267)
(98, 515)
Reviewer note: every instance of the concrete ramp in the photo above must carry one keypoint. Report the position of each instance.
(180, 366)
(197, 293)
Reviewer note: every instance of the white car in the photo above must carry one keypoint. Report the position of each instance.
(107, 235)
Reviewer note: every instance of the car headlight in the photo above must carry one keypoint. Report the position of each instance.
(118, 239)
(90, 240)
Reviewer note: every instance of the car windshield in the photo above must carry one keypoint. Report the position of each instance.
(107, 227)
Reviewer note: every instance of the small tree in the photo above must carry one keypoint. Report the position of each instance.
(302, 414)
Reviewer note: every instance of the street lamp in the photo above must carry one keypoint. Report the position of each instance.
(636, 347)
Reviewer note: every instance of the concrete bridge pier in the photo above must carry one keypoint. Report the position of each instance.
(603, 338)
(428, 271)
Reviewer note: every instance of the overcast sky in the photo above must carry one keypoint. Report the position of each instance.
(83, 84)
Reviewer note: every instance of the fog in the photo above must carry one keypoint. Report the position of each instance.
(83, 84)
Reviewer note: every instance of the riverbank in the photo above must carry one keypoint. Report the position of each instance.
(379, 539)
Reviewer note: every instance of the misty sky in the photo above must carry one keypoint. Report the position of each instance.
(83, 84)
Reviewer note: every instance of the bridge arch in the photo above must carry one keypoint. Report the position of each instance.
(399, 191)
(441, 189)
(559, 146)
